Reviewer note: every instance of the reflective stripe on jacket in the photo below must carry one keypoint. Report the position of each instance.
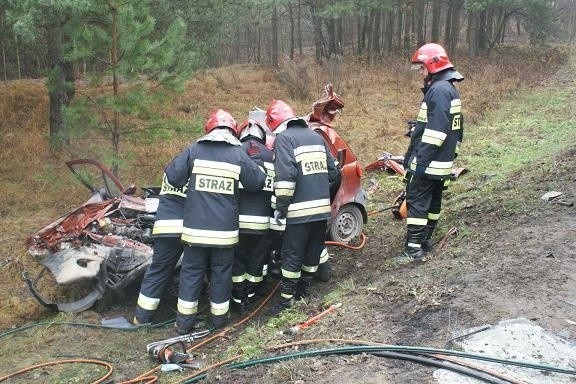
(436, 139)
(302, 164)
(214, 170)
(168, 221)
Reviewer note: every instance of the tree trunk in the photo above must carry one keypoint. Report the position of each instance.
(317, 28)
(452, 43)
(340, 36)
(399, 28)
(331, 31)
(57, 84)
(274, 42)
(116, 89)
(473, 33)
(448, 25)
(375, 46)
(436, 13)
(300, 30)
(292, 29)
(419, 18)
(407, 29)
(363, 21)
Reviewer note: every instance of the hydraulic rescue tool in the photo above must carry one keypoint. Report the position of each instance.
(163, 350)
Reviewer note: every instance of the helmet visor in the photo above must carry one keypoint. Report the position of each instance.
(416, 66)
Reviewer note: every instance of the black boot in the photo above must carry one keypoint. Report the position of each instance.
(413, 249)
(287, 292)
(219, 321)
(239, 299)
(427, 244)
(303, 288)
(324, 272)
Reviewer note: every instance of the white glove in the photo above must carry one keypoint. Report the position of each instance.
(279, 220)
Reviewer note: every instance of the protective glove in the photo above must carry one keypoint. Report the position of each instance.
(420, 170)
(279, 217)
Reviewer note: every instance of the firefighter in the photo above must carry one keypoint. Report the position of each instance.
(167, 251)
(434, 144)
(255, 211)
(304, 169)
(214, 166)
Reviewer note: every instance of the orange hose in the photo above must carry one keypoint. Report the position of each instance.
(69, 361)
(218, 364)
(343, 245)
(213, 337)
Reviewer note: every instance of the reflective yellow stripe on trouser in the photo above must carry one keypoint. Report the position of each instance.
(187, 307)
(218, 309)
(148, 303)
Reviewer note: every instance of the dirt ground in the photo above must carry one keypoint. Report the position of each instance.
(500, 265)
(507, 266)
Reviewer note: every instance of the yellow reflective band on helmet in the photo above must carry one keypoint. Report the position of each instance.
(290, 274)
(187, 307)
(148, 303)
(218, 309)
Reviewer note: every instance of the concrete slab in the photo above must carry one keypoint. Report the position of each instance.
(518, 340)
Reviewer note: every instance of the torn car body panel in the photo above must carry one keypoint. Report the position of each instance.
(105, 243)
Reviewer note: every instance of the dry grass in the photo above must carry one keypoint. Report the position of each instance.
(36, 187)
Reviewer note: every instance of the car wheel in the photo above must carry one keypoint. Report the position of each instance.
(347, 224)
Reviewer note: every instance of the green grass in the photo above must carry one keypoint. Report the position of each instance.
(512, 142)
(508, 144)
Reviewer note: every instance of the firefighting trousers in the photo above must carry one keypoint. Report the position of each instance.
(197, 263)
(167, 252)
(251, 255)
(302, 245)
(424, 200)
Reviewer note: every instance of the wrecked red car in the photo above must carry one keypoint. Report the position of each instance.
(349, 213)
(95, 251)
(99, 247)
(349, 204)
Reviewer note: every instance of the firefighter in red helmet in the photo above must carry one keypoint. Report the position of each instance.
(255, 211)
(434, 144)
(213, 167)
(304, 169)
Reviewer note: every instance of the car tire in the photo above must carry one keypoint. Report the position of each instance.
(346, 225)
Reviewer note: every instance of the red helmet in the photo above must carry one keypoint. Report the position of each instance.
(433, 56)
(278, 112)
(219, 118)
